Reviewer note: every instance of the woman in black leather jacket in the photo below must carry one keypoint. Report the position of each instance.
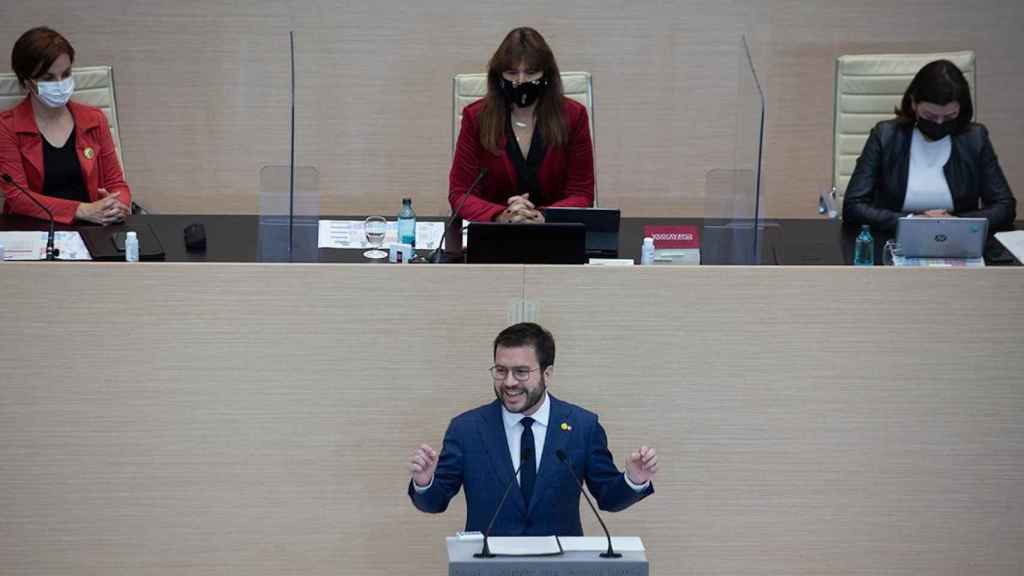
(931, 160)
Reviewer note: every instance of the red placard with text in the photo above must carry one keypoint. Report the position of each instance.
(673, 237)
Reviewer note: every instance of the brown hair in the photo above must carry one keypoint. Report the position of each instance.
(528, 334)
(523, 46)
(36, 50)
(939, 82)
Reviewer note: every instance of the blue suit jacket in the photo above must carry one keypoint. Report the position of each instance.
(475, 456)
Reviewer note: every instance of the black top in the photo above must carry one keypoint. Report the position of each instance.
(526, 168)
(62, 174)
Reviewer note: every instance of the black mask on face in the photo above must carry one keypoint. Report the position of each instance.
(933, 130)
(525, 94)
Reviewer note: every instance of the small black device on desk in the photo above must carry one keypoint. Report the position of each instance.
(602, 226)
(107, 242)
(195, 237)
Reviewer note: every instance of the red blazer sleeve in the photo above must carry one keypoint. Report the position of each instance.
(579, 182)
(111, 175)
(15, 201)
(465, 168)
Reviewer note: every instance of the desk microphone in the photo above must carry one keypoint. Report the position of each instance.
(610, 553)
(486, 551)
(455, 213)
(51, 252)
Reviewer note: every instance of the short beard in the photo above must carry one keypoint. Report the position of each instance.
(532, 399)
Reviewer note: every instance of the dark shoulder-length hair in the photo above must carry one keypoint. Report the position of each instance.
(523, 46)
(36, 50)
(939, 82)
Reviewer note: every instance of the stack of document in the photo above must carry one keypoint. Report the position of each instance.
(32, 245)
(524, 545)
(903, 261)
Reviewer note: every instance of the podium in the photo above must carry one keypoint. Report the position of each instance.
(572, 562)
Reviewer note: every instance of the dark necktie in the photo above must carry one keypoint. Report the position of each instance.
(528, 460)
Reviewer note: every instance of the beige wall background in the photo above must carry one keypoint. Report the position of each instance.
(203, 89)
(245, 418)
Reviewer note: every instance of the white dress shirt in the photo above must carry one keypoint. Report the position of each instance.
(514, 431)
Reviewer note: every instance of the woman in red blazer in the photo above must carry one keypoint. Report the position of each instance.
(59, 151)
(533, 142)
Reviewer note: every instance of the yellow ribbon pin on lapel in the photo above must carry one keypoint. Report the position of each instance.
(89, 153)
(566, 427)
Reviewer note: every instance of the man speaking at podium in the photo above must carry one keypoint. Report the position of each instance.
(521, 437)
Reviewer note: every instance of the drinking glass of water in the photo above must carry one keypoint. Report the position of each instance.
(375, 227)
(892, 253)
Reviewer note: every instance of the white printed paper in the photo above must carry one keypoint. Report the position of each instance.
(32, 245)
(600, 543)
(905, 262)
(352, 234)
(523, 545)
(1014, 242)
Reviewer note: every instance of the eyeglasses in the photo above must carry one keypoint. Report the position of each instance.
(521, 374)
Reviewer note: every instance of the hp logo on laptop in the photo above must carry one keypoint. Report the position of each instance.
(940, 238)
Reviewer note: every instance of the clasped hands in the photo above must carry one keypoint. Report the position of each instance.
(520, 210)
(107, 210)
(940, 213)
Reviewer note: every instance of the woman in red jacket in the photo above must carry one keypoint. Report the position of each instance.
(59, 151)
(533, 141)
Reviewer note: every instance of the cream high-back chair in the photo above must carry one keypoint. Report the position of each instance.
(94, 85)
(468, 88)
(867, 90)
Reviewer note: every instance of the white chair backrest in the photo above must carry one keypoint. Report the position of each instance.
(468, 88)
(867, 90)
(94, 85)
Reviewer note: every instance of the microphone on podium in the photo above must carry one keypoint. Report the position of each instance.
(486, 551)
(455, 214)
(51, 251)
(610, 553)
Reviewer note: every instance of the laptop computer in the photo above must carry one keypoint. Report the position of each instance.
(942, 237)
(548, 243)
(602, 226)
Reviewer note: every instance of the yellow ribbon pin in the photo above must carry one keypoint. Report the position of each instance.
(89, 153)
(566, 427)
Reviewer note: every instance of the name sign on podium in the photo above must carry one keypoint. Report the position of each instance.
(675, 244)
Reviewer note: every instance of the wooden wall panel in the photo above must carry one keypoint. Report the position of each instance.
(243, 418)
(808, 421)
(233, 418)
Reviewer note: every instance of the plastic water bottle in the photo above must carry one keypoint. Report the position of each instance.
(131, 247)
(407, 223)
(647, 252)
(864, 248)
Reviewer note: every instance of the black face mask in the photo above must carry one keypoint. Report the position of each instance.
(525, 94)
(933, 130)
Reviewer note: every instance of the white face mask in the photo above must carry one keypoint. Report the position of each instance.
(55, 94)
